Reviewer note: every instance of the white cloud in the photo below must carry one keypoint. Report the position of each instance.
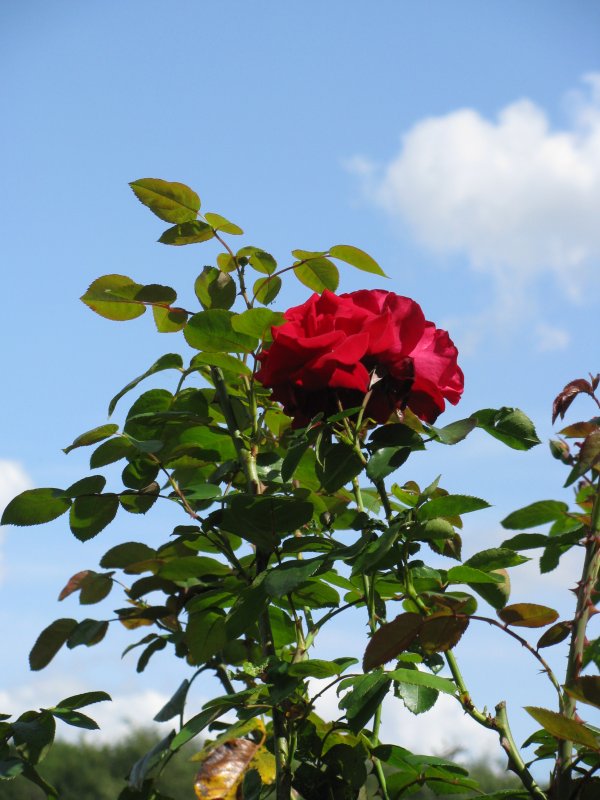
(550, 338)
(13, 480)
(517, 198)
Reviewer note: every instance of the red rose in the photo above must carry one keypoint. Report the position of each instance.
(333, 349)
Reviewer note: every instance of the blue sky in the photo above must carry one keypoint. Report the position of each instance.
(457, 143)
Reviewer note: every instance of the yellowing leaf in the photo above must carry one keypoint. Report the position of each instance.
(264, 763)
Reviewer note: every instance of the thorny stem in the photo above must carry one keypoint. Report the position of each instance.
(585, 588)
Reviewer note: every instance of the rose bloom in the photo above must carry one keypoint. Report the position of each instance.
(333, 349)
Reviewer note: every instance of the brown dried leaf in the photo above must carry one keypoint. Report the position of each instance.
(391, 639)
(440, 632)
(223, 770)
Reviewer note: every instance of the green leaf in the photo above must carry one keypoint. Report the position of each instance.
(293, 457)
(467, 574)
(110, 451)
(417, 678)
(168, 361)
(156, 293)
(535, 514)
(33, 735)
(261, 520)
(496, 595)
(113, 297)
(223, 361)
(92, 437)
(356, 258)
(169, 320)
(259, 259)
(586, 689)
(215, 289)
(49, 642)
(265, 290)
(450, 505)
(589, 456)
(213, 331)
(187, 233)
(84, 699)
(88, 632)
(364, 698)
(340, 464)
(170, 201)
(317, 668)
(35, 506)
(75, 718)
(455, 432)
(194, 726)
(205, 635)
(527, 615)
(510, 425)
(175, 705)
(395, 435)
(93, 484)
(495, 558)
(123, 555)
(417, 699)
(391, 639)
(385, 461)
(562, 727)
(219, 223)
(186, 567)
(257, 322)
(318, 274)
(287, 577)
(526, 541)
(10, 768)
(90, 515)
(144, 765)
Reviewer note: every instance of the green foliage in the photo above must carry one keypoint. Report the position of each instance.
(278, 524)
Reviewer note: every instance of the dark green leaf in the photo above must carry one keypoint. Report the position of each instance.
(259, 259)
(555, 634)
(356, 258)
(450, 505)
(496, 595)
(417, 699)
(194, 726)
(175, 705)
(364, 698)
(90, 515)
(215, 289)
(75, 718)
(122, 555)
(455, 432)
(85, 699)
(92, 437)
(318, 274)
(510, 425)
(526, 541)
(49, 642)
(535, 514)
(261, 520)
(154, 756)
(113, 450)
(586, 689)
(213, 331)
(192, 232)
(10, 768)
(94, 484)
(385, 461)
(395, 435)
(169, 200)
(35, 506)
(88, 632)
(205, 635)
(287, 577)
(467, 574)
(340, 464)
(317, 668)
(495, 558)
(33, 734)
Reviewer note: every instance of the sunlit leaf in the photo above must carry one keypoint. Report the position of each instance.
(586, 688)
(170, 201)
(265, 290)
(356, 258)
(219, 223)
(212, 331)
(92, 437)
(114, 297)
(318, 274)
(562, 727)
(527, 615)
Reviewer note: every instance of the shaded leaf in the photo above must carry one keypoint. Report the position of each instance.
(88, 632)
(527, 615)
(75, 718)
(391, 639)
(168, 361)
(535, 514)
(73, 584)
(49, 642)
(555, 634)
(212, 331)
(175, 705)
(287, 577)
(215, 289)
(84, 699)
(586, 689)
(340, 464)
(90, 515)
(496, 595)
(33, 735)
(35, 506)
(192, 232)
(455, 432)
(440, 633)
(265, 290)
(169, 320)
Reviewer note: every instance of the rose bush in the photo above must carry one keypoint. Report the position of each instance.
(333, 349)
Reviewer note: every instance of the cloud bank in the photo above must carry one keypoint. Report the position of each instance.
(518, 199)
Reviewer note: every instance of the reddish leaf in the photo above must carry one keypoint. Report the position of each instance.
(74, 584)
(527, 615)
(391, 639)
(440, 632)
(568, 394)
